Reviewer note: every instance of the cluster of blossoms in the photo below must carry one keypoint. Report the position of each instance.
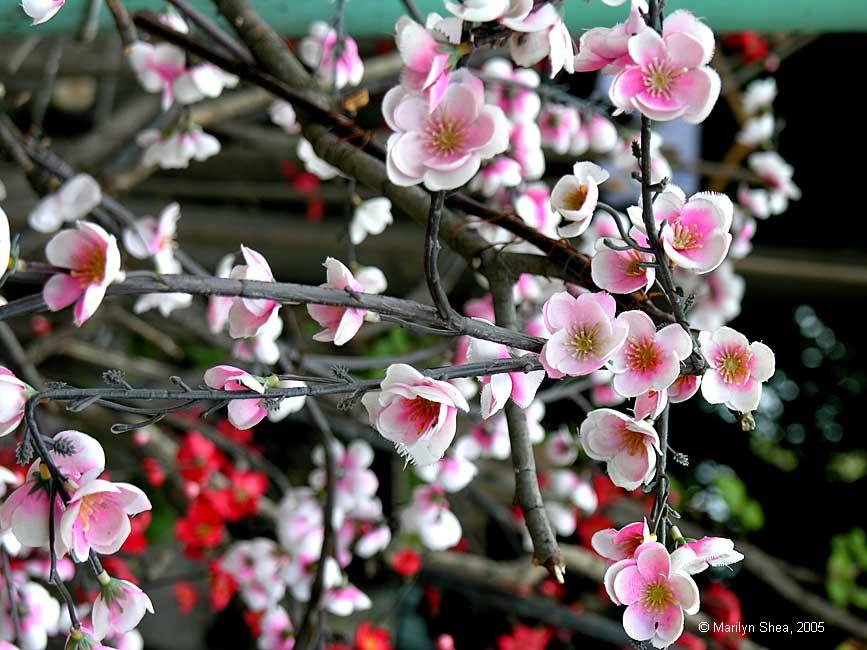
(92, 519)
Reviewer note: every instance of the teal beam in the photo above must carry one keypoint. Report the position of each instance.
(366, 18)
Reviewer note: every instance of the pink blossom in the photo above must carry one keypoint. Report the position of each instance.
(428, 58)
(541, 33)
(453, 473)
(500, 172)
(718, 296)
(443, 148)
(696, 236)
(82, 639)
(176, 148)
(430, 517)
(737, 369)
(707, 552)
(41, 10)
(93, 260)
(340, 323)
(777, 173)
(584, 333)
(621, 271)
(277, 632)
(616, 545)
(256, 565)
(262, 347)
(650, 404)
(150, 237)
(248, 315)
(557, 125)
(519, 102)
(521, 387)
(649, 360)
(118, 608)
(656, 592)
(481, 308)
(561, 448)
(597, 134)
(606, 48)
(683, 388)
(13, 397)
(602, 392)
(39, 617)
(668, 76)
(628, 446)
(356, 483)
(526, 150)
(345, 599)
(243, 413)
(158, 67)
(72, 201)
(415, 412)
(317, 50)
(533, 205)
(97, 517)
(575, 197)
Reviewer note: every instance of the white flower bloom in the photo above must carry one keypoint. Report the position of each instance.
(73, 201)
(371, 217)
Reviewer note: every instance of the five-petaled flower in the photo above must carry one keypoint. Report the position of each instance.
(629, 446)
(118, 608)
(340, 323)
(575, 197)
(737, 369)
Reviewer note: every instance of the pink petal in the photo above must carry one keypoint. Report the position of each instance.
(61, 291)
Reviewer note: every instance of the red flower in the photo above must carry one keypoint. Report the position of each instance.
(241, 498)
(368, 637)
(198, 458)
(589, 525)
(40, 325)
(445, 642)
(223, 587)
(137, 542)
(406, 562)
(254, 620)
(200, 529)
(241, 436)
(605, 490)
(118, 568)
(525, 638)
(186, 595)
(689, 641)
(154, 474)
(723, 606)
(751, 45)
(552, 589)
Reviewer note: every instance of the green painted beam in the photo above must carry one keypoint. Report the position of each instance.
(376, 17)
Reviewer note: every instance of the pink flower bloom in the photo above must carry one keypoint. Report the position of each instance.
(620, 271)
(575, 197)
(602, 392)
(777, 173)
(683, 388)
(521, 387)
(597, 134)
(650, 405)
(317, 50)
(158, 67)
(481, 308)
(119, 607)
(97, 517)
(541, 33)
(13, 397)
(708, 552)
(718, 296)
(696, 236)
(243, 413)
(606, 48)
(519, 103)
(356, 483)
(340, 323)
(558, 125)
(668, 76)
(628, 446)
(72, 201)
(500, 172)
(155, 238)
(248, 315)
(737, 369)
(584, 333)
(175, 149)
(345, 599)
(526, 150)
(533, 205)
(430, 517)
(656, 593)
(453, 473)
(616, 545)
(649, 360)
(415, 412)
(443, 148)
(277, 632)
(82, 639)
(93, 260)
(427, 59)
(217, 313)
(41, 10)
(39, 617)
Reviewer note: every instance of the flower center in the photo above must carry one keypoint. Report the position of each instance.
(733, 365)
(632, 440)
(642, 354)
(90, 504)
(444, 136)
(659, 77)
(686, 237)
(633, 267)
(584, 341)
(657, 597)
(574, 199)
(422, 413)
(90, 268)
